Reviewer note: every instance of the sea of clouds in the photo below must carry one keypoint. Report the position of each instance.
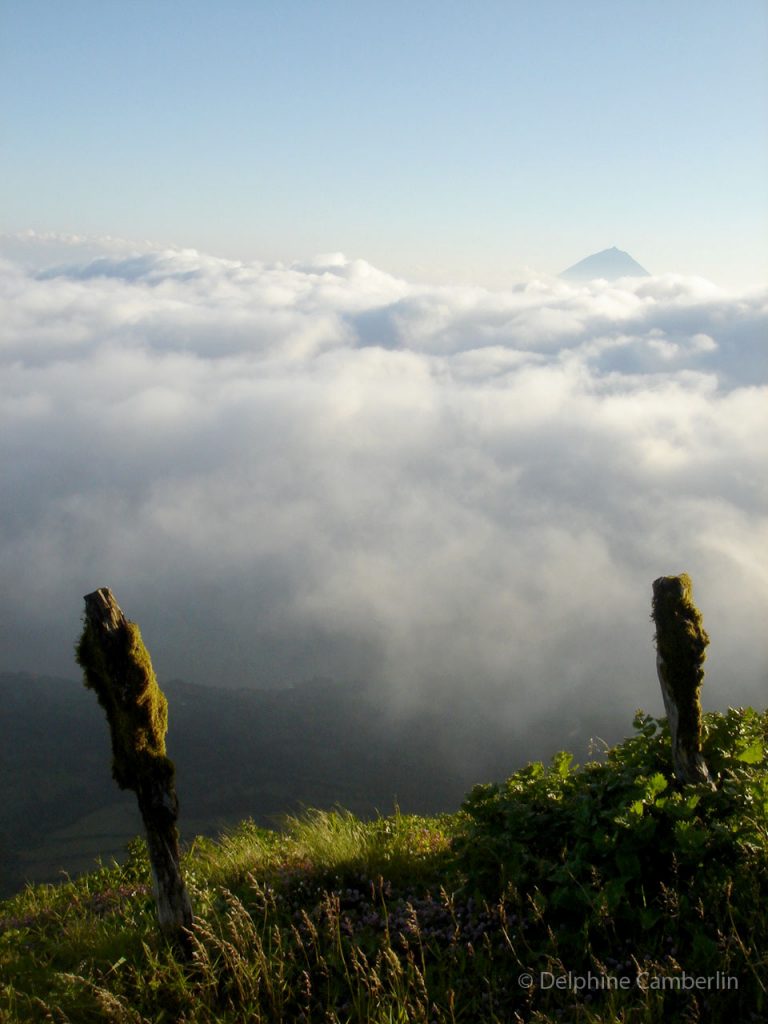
(320, 469)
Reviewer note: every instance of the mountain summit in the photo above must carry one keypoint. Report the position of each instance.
(609, 264)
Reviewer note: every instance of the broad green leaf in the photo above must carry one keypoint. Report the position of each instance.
(656, 784)
(751, 754)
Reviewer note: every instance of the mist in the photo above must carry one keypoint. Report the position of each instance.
(458, 495)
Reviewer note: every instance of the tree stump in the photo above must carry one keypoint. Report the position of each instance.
(118, 668)
(680, 644)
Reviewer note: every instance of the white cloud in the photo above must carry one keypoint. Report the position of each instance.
(286, 471)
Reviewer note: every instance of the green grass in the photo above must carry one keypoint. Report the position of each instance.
(606, 875)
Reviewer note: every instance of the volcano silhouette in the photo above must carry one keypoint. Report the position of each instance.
(609, 264)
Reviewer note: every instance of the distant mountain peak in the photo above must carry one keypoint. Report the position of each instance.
(609, 264)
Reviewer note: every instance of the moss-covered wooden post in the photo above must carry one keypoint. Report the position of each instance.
(680, 645)
(117, 667)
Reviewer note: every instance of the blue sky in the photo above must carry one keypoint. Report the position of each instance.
(447, 141)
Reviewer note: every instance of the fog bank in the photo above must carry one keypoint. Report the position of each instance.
(323, 470)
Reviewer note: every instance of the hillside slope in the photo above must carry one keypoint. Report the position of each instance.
(244, 753)
(586, 894)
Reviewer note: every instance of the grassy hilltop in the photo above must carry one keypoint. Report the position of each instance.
(601, 892)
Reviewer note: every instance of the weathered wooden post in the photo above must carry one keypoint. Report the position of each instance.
(680, 645)
(118, 668)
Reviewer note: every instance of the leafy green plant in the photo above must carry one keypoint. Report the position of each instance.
(616, 849)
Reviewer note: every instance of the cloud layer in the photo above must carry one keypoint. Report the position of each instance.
(320, 469)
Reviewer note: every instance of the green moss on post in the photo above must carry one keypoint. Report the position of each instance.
(681, 641)
(136, 708)
(118, 669)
